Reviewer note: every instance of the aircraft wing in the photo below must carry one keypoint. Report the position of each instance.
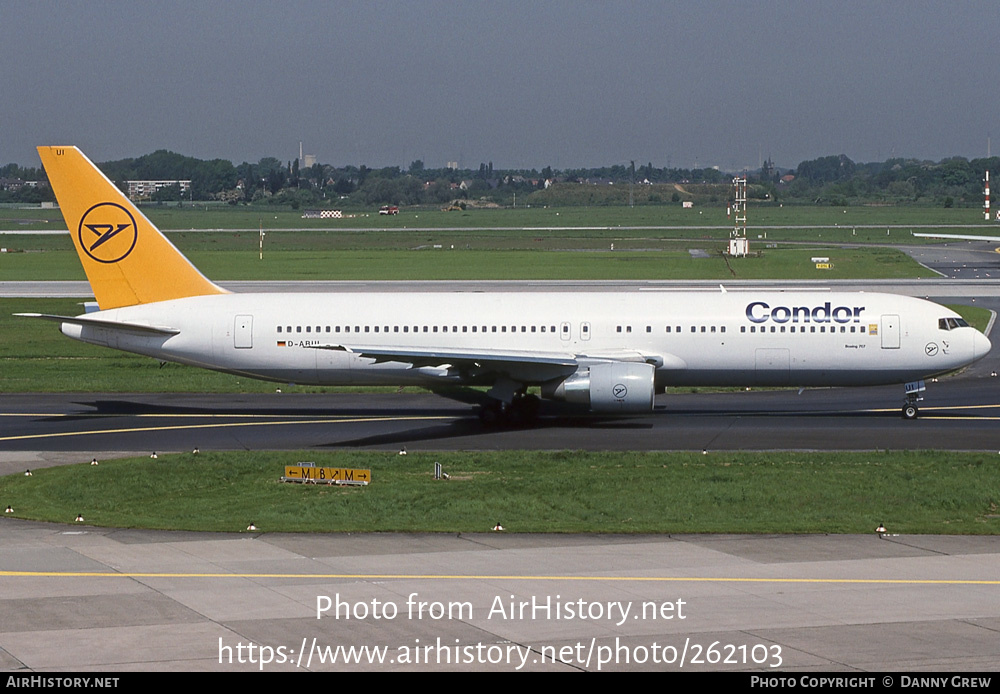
(105, 324)
(522, 366)
(517, 365)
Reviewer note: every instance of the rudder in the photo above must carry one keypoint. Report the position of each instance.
(126, 258)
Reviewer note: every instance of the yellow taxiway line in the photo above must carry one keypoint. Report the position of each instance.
(179, 427)
(502, 577)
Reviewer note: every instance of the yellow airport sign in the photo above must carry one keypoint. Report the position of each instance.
(824, 266)
(326, 475)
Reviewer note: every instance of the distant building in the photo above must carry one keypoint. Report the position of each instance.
(453, 165)
(138, 190)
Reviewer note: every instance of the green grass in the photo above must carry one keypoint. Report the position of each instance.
(469, 264)
(631, 492)
(225, 217)
(215, 216)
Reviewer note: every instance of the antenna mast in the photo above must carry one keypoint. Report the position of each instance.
(739, 246)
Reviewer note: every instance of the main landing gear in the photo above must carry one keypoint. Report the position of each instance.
(914, 395)
(522, 411)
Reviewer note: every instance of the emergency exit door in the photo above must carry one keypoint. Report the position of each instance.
(890, 332)
(243, 332)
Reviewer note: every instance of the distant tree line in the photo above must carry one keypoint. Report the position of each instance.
(832, 180)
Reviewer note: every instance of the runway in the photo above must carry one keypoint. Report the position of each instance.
(959, 414)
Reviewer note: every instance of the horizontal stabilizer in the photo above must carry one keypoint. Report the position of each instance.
(106, 324)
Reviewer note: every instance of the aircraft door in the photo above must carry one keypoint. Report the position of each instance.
(565, 332)
(585, 331)
(243, 332)
(890, 332)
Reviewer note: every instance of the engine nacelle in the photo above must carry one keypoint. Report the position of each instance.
(608, 387)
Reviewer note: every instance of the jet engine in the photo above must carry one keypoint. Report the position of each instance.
(607, 387)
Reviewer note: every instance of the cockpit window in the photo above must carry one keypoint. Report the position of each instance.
(952, 323)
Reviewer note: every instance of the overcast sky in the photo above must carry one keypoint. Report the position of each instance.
(520, 83)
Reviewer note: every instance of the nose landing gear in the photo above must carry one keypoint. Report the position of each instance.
(914, 395)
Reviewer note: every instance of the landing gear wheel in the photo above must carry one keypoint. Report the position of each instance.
(909, 411)
(493, 414)
(523, 411)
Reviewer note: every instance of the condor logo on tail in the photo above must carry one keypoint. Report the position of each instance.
(108, 232)
(105, 227)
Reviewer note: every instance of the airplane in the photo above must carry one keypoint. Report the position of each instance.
(610, 351)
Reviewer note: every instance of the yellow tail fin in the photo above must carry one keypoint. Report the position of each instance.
(126, 258)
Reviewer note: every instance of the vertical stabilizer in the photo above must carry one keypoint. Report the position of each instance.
(126, 258)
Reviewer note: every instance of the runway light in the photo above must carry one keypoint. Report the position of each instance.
(277, 390)
(251, 526)
(402, 451)
(27, 473)
(93, 461)
(153, 455)
(10, 509)
(880, 529)
(196, 451)
(79, 518)
(498, 528)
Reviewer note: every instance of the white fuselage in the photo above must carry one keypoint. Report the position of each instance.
(740, 338)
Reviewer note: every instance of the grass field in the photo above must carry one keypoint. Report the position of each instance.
(632, 492)
(200, 216)
(506, 243)
(469, 264)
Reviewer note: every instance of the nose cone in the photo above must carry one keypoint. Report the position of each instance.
(981, 345)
